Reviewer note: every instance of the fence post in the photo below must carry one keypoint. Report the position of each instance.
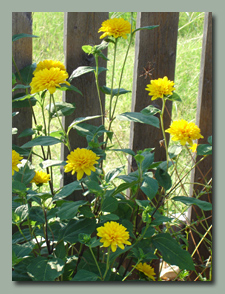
(157, 46)
(203, 173)
(22, 53)
(81, 28)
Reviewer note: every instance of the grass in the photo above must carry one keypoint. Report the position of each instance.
(49, 27)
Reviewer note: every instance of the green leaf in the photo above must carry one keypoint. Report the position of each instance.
(18, 187)
(109, 204)
(86, 211)
(23, 249)
(18, 86)
(163, 178)
(47, 163)
(115, 92)
(82, 119)
(87, 49)
(150, 110)
(210, 140)
(20, 214)
(113, 174)
(174, 150)
(60, 108)
(204, 149)
(204, 205)
(145, 28)
(123, 187)
(81, 70)
(171, 251)
(19, 36)
(45, 269)
(67, 190)
(140, 118)
(24, 175)
(65, 87)
(42, 141)
(149, 187)
(85, 276)
(19, 100)
(69, 209)
(60, 250)
(109, 217)
(26, 132)
(174, 97)
(15, 113)
(36, 214)
(18, 237)
(27, 73)
(70, 233)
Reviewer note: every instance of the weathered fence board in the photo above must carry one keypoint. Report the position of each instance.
(203, 173)
(22, 53)
(81, 28)
(157, 46)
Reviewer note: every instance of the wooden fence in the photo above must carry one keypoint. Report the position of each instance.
(157, 46)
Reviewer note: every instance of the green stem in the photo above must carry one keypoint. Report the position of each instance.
(163, 130)
(97, 86)
(18, 226)
(96, 262)
(67, 143)
(107, 264)
(112, 81)
(130, 272)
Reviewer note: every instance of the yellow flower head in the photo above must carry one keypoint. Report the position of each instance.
(48, 79)
(160, 87)
(15, 161)
(81, 161)
(47, 63)
(146, 269)
(113, 234)
(40, 178)
(193, 148)
(184, 131)
(116, 27)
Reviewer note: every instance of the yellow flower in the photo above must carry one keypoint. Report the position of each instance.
(47, 63)
(113, 234)
(183, 131)
(116, 27)
(40, 178)
(15, 161)
(81, 161)
(48, 79)
(146, 269)
(160, 87)
(194, 147)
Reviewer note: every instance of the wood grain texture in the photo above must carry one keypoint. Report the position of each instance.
(82, 29)
(203, 173)
(157, 46)
(22, 53)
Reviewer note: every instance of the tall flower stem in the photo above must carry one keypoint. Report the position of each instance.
(107, 264)
(96, 262)
(67, 143)
(130, 272)
(163, 130)
(97, 86)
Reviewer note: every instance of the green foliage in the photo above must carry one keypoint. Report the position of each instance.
(59, 239)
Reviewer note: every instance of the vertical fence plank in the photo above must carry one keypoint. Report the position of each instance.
(81, 29)
(157, 46)
(203, 173)
(22, 53)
